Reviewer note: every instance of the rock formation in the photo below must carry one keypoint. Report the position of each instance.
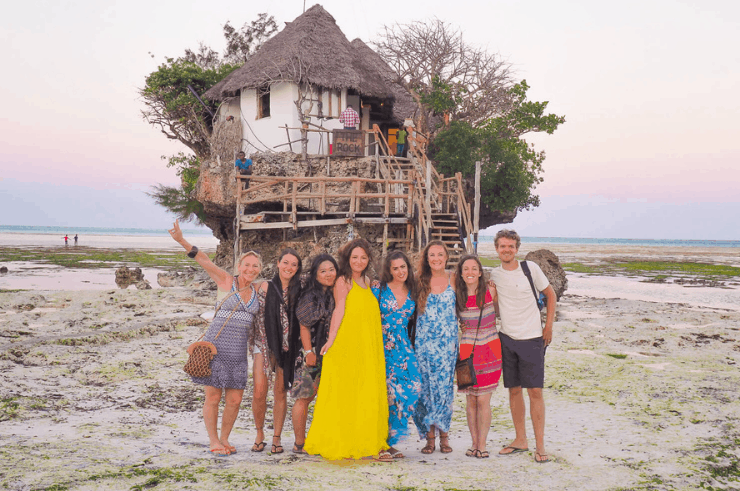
(194, 278)
(550, 265)
(126, 277)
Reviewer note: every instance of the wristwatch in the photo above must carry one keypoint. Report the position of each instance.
(193, 252)
(310, 351)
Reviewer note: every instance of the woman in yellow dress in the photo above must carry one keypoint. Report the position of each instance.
(350, 419)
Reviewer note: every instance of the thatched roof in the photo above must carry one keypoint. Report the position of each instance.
(313, 49)
(404, 105)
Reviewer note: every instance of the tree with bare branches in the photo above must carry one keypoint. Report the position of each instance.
(447, 77)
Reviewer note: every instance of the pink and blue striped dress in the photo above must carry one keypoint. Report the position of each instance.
(487, 356)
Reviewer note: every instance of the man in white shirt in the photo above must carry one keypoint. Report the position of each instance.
(523, 340)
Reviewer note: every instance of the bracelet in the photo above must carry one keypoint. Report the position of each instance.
(193, 252)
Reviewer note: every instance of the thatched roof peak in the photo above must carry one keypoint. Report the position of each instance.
(311, 49)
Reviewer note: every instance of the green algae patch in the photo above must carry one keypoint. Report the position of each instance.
(91, 258)
(580, 268)
(711, 271)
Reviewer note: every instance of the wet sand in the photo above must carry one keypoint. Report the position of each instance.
(641, 389)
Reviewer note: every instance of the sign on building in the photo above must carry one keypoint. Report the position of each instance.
(348, 143)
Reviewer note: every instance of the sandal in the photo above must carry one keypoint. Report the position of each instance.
(230, 448)
(395, 453)
(299, 448)
(258, 447)
(541, 458)
(444, 444)
(482, 454)
(276, 447)
(220, 452)
(384, 456)
(429, 447)
(470, 452)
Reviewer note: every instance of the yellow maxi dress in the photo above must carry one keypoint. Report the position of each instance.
(350, 419)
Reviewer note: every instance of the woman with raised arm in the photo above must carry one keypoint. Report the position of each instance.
(314, 315)
(274, 346)
(476, 309)
(396, 294)
(350, 419)
(436, 346)
(229, 332)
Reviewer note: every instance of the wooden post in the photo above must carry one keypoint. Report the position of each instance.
(288, 134)
(285, 201)
(387, 209)
(476, 216)
(385, 237)
(323, 198)
(428, 198)
(294, 215)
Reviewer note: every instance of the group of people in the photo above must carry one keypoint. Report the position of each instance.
(374, 353)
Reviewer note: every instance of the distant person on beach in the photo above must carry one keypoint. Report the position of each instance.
(229, 332)
(349, 118)
(244, 166)
(523, 340)
(75, 239)
(66, 239)
(314, 311)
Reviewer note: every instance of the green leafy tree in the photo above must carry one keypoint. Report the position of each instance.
(171, 107)
(511, 168)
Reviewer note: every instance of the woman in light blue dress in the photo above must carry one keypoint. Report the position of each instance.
(436, 346)
(395, 294)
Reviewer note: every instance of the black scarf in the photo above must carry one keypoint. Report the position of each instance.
(274, 327)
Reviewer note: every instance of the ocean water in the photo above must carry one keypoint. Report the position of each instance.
(104, 238)
(623, 242)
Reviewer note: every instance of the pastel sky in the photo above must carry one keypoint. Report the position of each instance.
(649, 90)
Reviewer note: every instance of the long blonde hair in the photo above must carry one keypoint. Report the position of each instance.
(425, 274)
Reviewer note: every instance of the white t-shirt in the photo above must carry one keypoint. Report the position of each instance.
(520, 316)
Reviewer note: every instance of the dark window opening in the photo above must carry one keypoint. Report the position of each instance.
(263, 102)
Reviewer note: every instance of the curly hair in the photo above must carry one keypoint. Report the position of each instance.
(461, 288)
(386, 276)
(345, 270)
(508, 234)
(425, 274)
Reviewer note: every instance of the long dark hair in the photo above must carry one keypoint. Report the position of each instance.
(345, 252)
(312, 283)
(386, 276)
(461, 288)
(425, 274)
(294, 286)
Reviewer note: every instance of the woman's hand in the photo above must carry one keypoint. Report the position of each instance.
(375, 284)
(326, 347)
(175, 232)
(311, 359)
(492, 290)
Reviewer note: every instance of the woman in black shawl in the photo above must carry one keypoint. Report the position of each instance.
(314, 314)
(274, 345)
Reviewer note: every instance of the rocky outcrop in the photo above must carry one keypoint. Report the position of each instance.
(126, 277)
(216, 190)
(550, 265)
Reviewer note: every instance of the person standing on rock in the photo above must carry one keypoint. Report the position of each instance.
(229, 332)
(523, 340)
(244, 167)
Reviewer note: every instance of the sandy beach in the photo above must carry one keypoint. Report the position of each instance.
(641, 391)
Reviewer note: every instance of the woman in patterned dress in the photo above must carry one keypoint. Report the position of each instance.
(274, 346)
(314, 311)
(436, 346)
(396, 294)
(229, 331)
(473, 294)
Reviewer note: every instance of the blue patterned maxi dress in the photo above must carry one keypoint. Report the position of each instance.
(401, 368)
(436, 352)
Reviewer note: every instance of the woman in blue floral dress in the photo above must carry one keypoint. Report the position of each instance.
(396, 293)
(436, 346)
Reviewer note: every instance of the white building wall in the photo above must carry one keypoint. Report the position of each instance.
(268, 134)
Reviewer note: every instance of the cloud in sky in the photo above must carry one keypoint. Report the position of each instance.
(648, 90)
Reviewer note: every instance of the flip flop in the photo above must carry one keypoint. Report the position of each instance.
(299, 448)
(383, 456)
(258, 447)
(470, 452)
(276, 448)
(220, 452)
(513, 450)
(397, 454)
(541, 458)
(231, 449)
(483, 454)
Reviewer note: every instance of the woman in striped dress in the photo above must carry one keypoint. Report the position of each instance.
(475, 308)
